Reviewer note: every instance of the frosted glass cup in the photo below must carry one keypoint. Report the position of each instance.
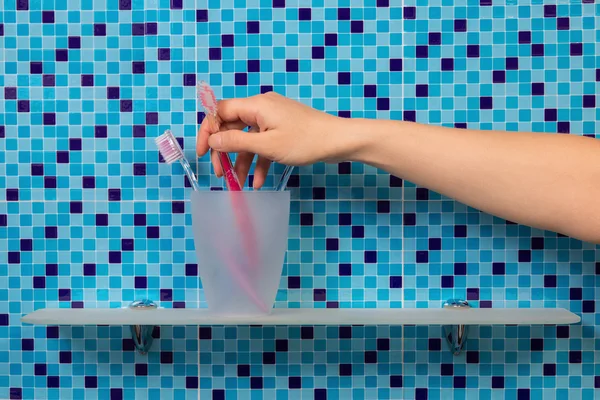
(241, 240)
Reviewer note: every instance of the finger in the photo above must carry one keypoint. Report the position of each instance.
(214, 157)
(235, 141)
(243, 162)
(244, 109)
(207, 128)
(237, 125)
(202, 138)
(261, 171)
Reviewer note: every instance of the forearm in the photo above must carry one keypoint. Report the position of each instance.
(541, 180)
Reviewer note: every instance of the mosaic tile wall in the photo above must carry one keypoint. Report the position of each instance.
(89, 217)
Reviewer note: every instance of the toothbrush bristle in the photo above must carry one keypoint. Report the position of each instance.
(207, 98)
(169, 147)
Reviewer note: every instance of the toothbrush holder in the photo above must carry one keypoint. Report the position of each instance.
(241, 240)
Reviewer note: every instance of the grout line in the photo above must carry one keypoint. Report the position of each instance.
(402, 251)
(197, 162)
(187, 200)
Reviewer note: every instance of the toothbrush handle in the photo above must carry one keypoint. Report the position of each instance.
(231, 179)
(190, 174)
(284, 178)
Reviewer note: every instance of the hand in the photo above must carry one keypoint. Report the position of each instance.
(281, 130)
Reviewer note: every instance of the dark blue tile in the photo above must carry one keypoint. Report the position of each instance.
(307, 332)
(35, 67)
(563, 127)
(61, 55)
(191, 382)
(473, 51)
(409, 12)
(460, 25)
(549, 369)
(370, 257)
(396, 64)
(550, 281)
(550, 11)
(435, 38)
(306, 219)
(331, 39)
(293, 282)
(319, 294)
(523, 394)
(499, 77)
(345, 370)
(304, 14)
(447, 281)
(99, 29)
(422, 194)
(357, 27)
(268, 357)
(460, 268)
(344, 14)
(576, 49)
(141, 369)
(40, 369)
(166, 357)
(74, 42)
(485, 103)
(396, 381)
(525, 37)
(370, 357)
(435, 344)
(447, 64)
(460, 382)
(422, 257)
(295, 382)
(497, 382)
(383, 344)
(100, 131)
(256, 382)
(435, 244)
(89, 269)
(343, 78)
(563, 24)
(91, 382)
(27, 345)
(114, 257)
(205, 333)
(447, 370)
(588, 306)
(498, 268)
(537, 344)
(138, 67)
(472, 293)
(202, 15)
(537, 50)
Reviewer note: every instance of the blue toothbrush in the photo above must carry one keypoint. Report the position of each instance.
(284, 178)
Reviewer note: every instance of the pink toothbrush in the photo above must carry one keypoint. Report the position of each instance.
(209, 102)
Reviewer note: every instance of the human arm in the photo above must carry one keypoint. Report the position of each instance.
(541, 180)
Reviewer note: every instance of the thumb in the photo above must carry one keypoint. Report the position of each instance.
(236, 141)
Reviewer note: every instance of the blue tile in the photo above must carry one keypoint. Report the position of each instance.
(92, 217)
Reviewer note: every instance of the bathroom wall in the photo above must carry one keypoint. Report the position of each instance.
(90, 217)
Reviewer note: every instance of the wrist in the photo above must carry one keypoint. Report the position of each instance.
(364, 138)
